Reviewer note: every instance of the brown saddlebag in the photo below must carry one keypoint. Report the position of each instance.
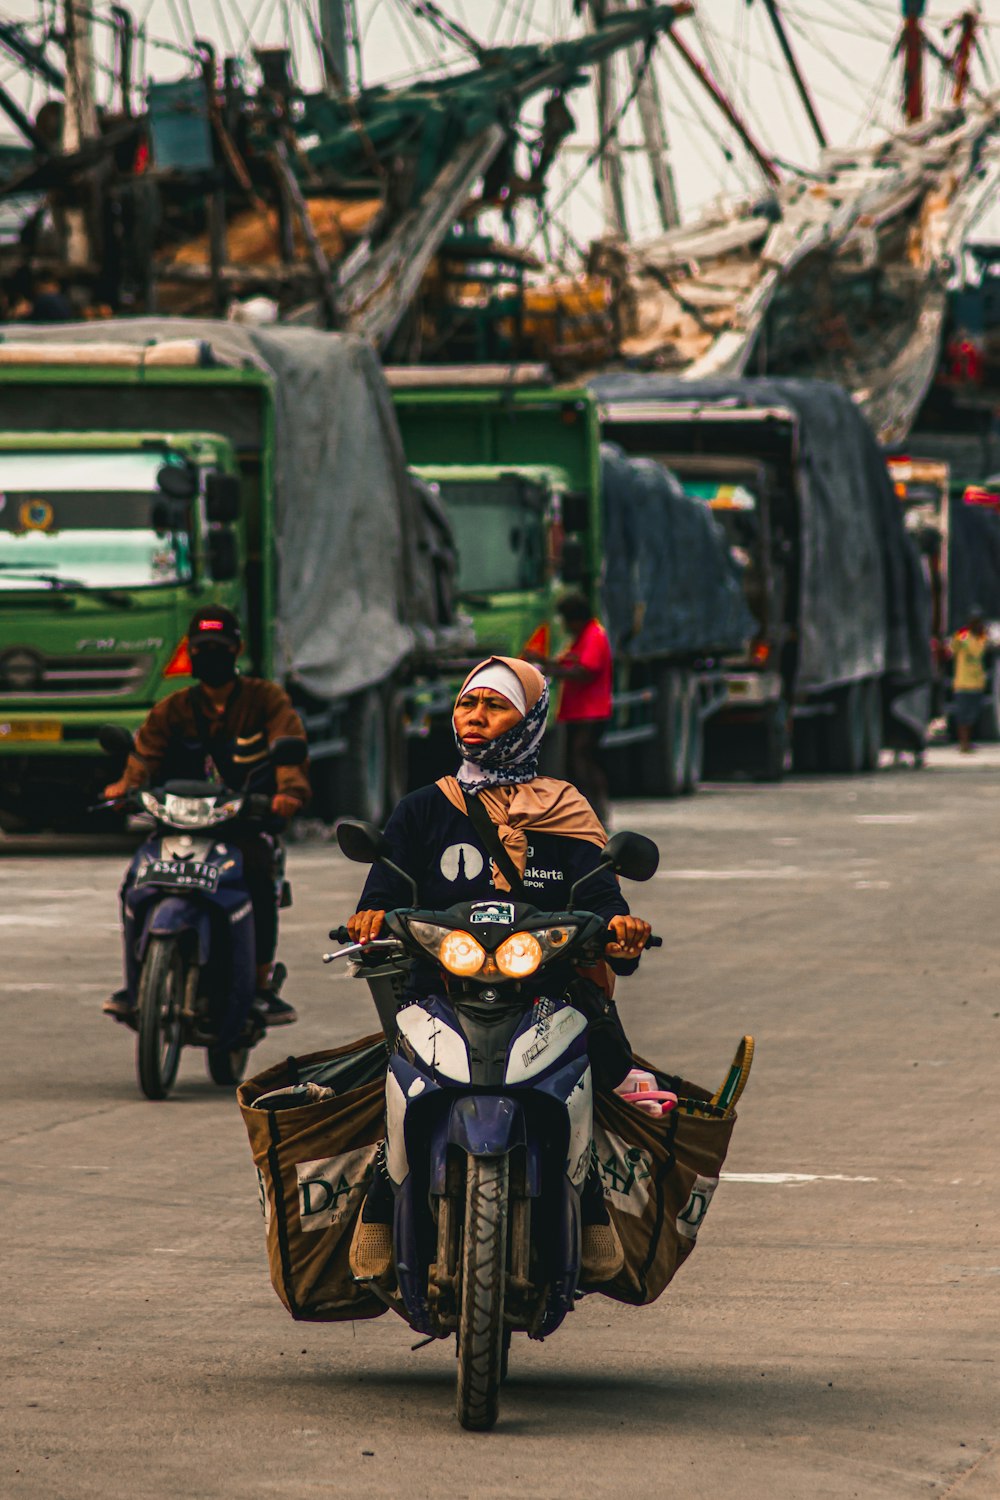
(314, 1162)
(659, 1175)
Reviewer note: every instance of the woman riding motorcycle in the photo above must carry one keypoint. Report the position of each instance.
(549, 836)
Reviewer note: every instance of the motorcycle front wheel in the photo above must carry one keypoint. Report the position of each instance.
(226, 1067)
(161, 996)
(481, 1327)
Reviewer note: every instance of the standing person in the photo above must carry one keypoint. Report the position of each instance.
(221, 729)
(549, 837)
(584, 671)
(968, 647)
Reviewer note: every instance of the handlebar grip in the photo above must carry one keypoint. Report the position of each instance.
(654, 942)
(339, 935)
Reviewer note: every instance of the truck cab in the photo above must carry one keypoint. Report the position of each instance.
(108, 541)
(508, 527)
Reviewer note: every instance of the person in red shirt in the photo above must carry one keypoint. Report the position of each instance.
(584, 669)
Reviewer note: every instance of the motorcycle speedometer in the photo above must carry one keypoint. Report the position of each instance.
(188, 812)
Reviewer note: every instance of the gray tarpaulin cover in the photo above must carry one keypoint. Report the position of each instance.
(973, 563)
(669, 584)
(357, 584)
(864, 604)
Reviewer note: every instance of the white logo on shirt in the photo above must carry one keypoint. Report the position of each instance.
(461, 862)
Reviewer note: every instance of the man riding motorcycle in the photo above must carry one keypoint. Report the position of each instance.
(500, 827)
(220, 730)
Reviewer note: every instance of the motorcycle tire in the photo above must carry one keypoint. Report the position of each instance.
(481, 1326)
(226, 1067)
(161, 995)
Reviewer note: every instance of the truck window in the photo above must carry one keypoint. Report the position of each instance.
(85, 519)
(736, 509)
(499, 530)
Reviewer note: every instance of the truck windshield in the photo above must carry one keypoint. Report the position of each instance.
(499, 534)
(85, 520)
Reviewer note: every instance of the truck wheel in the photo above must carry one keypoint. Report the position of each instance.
(845, 732)
(694, 760)
(873, 724)
(362, 770)
(483, 1273)
(397, 750)
(805, 746)
(772, 742)
(663, 759)
(988, 728)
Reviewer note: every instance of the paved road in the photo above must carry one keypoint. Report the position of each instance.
(835, 1334)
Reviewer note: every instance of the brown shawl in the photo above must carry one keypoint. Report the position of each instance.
(545, 804)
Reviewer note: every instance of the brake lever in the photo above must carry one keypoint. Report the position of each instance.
(369, 947)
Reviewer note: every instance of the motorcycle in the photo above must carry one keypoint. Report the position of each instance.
(489, 1112)
(190, 956)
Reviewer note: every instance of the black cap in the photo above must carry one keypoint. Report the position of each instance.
(213, 624)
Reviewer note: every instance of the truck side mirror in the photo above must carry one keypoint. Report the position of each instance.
(575, 510)
(178, 481)
(170, 515)
(223, 556)
(223, 498)
(574, 560)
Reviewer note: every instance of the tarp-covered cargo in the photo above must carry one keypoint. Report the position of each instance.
(863, 603)
(357, 562)
(973, 562)
(669, 583)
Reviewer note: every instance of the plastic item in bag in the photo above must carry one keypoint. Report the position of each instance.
(294, 1096)
(641, 1089)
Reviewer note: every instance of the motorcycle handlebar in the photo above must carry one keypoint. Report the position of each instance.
(339, 935)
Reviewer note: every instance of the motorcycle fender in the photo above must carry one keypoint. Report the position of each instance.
(404, 1084)
(543, 1043)
(438, 1045)
(486, 1124)
(173, 915)
(573, 1086)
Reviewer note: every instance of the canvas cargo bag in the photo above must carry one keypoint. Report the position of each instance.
(659, 1175)
(314, 1163)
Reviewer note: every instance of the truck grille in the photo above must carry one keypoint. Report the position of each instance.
(27, 675)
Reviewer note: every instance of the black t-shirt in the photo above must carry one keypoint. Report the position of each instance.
(438, 846)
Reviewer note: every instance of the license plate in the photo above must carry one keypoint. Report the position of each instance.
(24, 731)
(181, 872)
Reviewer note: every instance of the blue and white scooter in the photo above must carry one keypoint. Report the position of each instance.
(190, 954)
(489, 1112)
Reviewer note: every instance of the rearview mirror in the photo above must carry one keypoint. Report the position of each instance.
(573, 567)
(632, 855)
(223, 556)
(361, 842)
(169, 515)
(289, 750)
(178, 481)
(115, 740)
(223, 498)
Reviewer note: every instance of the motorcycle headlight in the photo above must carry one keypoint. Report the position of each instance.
(149, 802)
(227, 810)
(519, 955)
(456, 951)
(460, 954)
(187, 812)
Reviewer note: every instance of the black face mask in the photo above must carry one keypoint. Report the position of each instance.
(214, 665)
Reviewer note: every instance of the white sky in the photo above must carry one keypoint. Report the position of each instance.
(843, 47)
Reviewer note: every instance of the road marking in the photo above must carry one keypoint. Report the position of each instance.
(781, 872)
(8, 988)
(777, 1179)
(885, 818)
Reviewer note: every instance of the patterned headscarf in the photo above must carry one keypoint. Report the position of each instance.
(512, 758)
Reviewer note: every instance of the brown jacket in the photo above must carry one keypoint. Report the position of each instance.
(257, 713)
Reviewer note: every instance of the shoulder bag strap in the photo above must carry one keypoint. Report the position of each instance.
(487, 830)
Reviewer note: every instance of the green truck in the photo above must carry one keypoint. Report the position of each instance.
(152, 466)
(522, 473)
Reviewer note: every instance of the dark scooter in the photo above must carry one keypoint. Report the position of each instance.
(489, 1112)
(190, 955)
